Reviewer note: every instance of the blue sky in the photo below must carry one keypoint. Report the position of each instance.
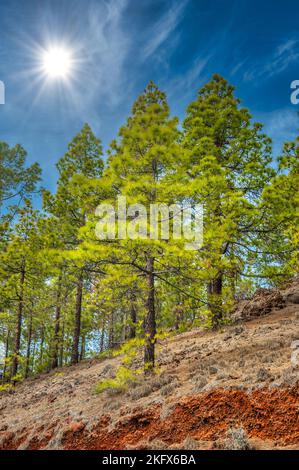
(119, 45)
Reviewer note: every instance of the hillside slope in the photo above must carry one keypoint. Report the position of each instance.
(246, 375)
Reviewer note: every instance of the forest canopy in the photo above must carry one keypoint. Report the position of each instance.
(66, 295)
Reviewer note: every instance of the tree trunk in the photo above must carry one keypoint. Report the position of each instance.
(33, 354)
(61, 346)
(178, 314)
(5, 356)
(133, 315)
(215, 300)
(42, 340)
(77, 327)
(82, 351)
(57, 324)
(150, 320)
(16, 351)
(28, 347)
(111, 340)
(102, 337)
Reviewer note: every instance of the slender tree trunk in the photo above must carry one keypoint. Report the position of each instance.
(42, 340)
(77, 327)
(111, 340)
(215, 299)
(82, 350)
(33, 354)
(57, 324)
(125, 330)
(150, 320)
(28, 346)
(5, 355)
(178, 314)
(102, 337)
(16, 351)
(61, 346)
(133, 314)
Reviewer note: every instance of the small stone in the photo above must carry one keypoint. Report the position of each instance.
(293, 298)
(263, 375)
(76, 427)
(227, 337)
(238, 330)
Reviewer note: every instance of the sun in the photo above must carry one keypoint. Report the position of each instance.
(57, 62)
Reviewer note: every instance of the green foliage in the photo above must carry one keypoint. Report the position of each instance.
(124, 377)
(5, 387)
(66, 295)
(16, 180)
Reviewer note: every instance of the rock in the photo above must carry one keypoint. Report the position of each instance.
(263, 301)
(108, 371)
(75, 427)
(227, 337)
(238, 330)
(200, 383)
(263, 375)
(292, 298)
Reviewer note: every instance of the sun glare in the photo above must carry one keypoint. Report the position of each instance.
(57, 62)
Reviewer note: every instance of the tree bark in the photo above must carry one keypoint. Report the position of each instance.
(215, 299)
(150, 320)
(82, 350)
(42, 340)
(28, 346)
(57, 324)
(77, 327)
(102, 337)
(111, 340)
(16, 351)
(5, 356)
(133, 314)
(61, 346)
(33, 354)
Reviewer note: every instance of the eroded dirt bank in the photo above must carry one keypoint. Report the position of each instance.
(241, 376)
(267, 414)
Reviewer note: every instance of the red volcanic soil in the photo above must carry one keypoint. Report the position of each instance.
(243, 376)
(267, 414)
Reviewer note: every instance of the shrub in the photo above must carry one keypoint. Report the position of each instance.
(5, 387)
(190, 444)
(167, 390)
(152, 385)
(123, 378)
(237, 439)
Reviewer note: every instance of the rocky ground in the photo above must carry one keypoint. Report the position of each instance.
(236, 388)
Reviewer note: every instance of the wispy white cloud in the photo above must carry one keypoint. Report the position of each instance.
(284, 55)
(100, 79)
(106, 48)
(109, 48)
(164, 27)
(187, 81)
(281, 125)
(238, 67)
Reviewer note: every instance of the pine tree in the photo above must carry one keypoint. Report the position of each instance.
(19, 269)
(227, 167)
(142, 169)
(16, 181)
(278, 233)
(71, 205)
